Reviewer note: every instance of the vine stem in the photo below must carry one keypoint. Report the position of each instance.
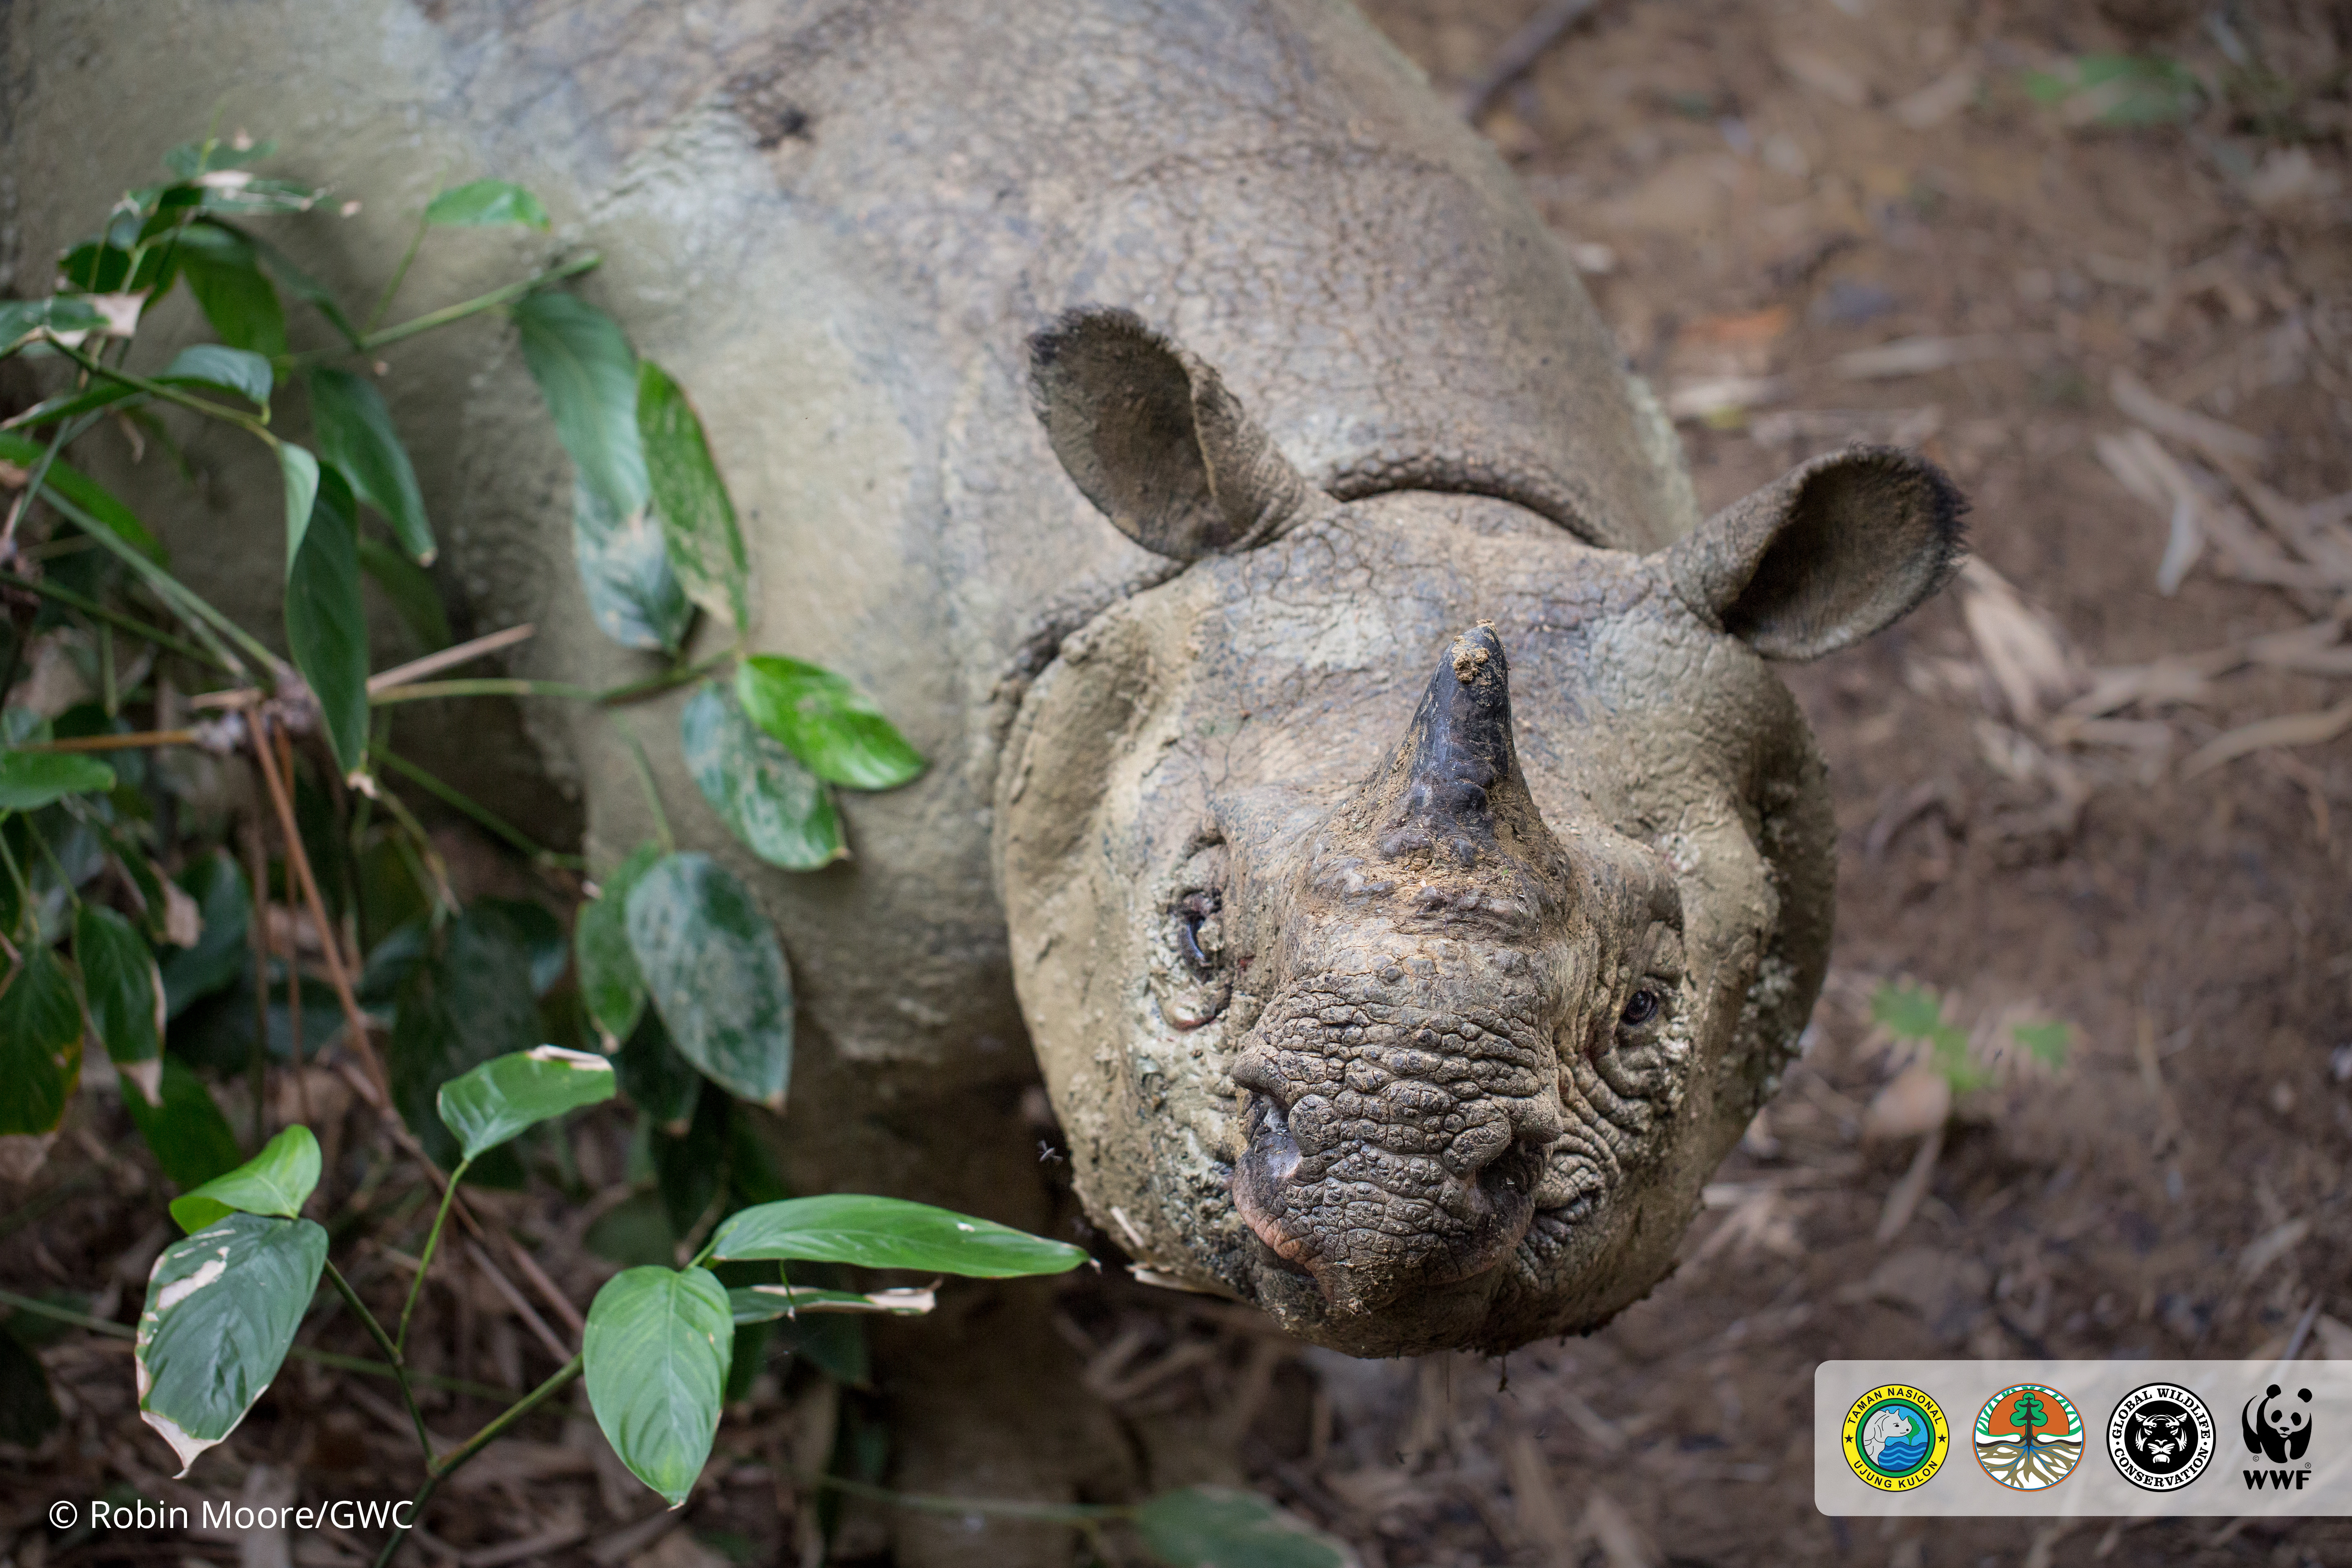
(98, 612)
(448, 313)
(391, 1354)
(331, 942)
(442, 1470)
(478, 811)
(200, 616)
(424, 1261)
(168, 394)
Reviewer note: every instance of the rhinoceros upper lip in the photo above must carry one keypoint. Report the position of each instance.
(1272, 1158)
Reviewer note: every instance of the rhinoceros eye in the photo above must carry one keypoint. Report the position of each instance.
(1193, 911)
(1645, 1007)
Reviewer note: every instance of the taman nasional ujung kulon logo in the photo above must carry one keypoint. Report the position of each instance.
(2029, 1437)
(2161, 1437)
(1894, 1437)
(2278, 1429)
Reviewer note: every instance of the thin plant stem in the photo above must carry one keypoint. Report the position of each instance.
(653, 792)
(448, 313)
(424, 1259)
(136, 741)
(485, 686)
(399, 274)
(391, 1352)
(72, 893)
(478, 811)
(257, 426)
(34, 481)
(330, 936)
(98, 612)
(448, 1466)
(191, 609)
(41, 1309)
(677, 675)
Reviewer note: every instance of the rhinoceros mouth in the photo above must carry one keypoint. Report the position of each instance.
(1366, 1242)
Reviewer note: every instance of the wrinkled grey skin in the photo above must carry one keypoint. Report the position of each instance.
(1340, 1014)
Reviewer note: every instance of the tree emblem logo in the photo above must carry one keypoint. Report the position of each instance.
(2161, 1437)
(2029, 1437)
(1894, 1437)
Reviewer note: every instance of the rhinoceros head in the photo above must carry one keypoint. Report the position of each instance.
(1411, 902)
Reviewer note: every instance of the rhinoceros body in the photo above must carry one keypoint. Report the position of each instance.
(1146, 403)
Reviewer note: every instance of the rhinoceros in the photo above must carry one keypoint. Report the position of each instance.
(1357, 770)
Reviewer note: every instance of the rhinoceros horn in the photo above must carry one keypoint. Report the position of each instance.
(1460, 788)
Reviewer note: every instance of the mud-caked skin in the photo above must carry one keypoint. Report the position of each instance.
(1355, 767)
(1411, 900)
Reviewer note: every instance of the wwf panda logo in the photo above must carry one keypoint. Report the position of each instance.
(2160, 1437)
(2277, 1429)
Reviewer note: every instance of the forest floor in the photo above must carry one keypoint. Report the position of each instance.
(2067, 792)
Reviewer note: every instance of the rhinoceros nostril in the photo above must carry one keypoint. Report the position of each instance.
(1272, 1148)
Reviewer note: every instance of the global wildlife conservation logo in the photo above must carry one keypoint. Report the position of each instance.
(2278, 1429)
(1894, 1437)
(2160, 1437)
(2029, 1437)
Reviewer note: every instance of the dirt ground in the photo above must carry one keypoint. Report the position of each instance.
(1809, 222)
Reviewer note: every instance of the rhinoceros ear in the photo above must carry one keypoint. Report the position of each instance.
(1834, 549)
(1154, 439)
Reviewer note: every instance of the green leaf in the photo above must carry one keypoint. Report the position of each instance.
(299, 470)
(890, 1233)
(825, 723)
(238, 371)
(93, 500)
(1907, 1012)
(190, 1137)
(355, 434)
(278, 1181)
(29, 780)
(40, 1043)
(780, 809)
(325, 624)
(766, 1304)
(414, 597)
(486, 202)
(123, 991)
(95, 267)
(698, 518)
(19, 318)
(222, 1309)
(660, 1083)
(588, 374)
(67, 405)
(655, 1356)
(633, 595)
(225, 277)
(2046, 1043)
(1218, 1527)
(28, 1411)
(222, 952)
(712, 966)
(458, 1006)
(191, 159)
(506, 1094)
(610, 989)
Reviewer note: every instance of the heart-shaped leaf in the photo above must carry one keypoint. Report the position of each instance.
(633, 595)
(325, 624)
(355, 436)
(278, 1181)
(655, 1356)
(497, 1099)
(184, 1129)
(698, 518)
(1218, 1527)
(777, 807)
(889, 1233)
(826, 723)
(610, 989)
(29, 780)
(588, 374)
(40, 1042)
(486, 202)
(123, 991)
(713, 967)
(238, 371)
(222, 1307)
